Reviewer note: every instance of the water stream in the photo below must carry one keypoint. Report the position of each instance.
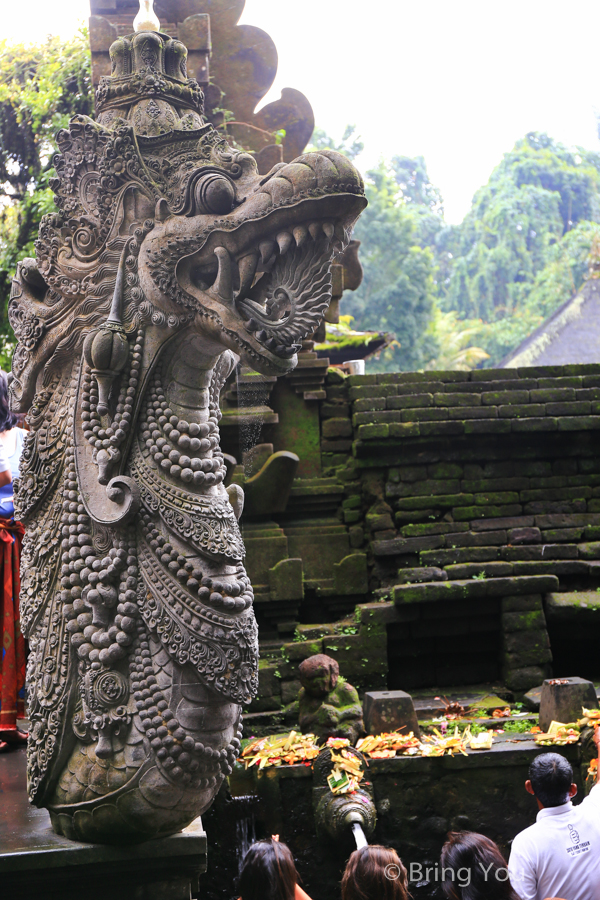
(359, 835)
(245, 826)
(249, 432)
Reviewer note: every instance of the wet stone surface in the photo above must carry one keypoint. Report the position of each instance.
(56, 868)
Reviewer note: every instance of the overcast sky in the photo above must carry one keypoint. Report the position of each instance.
(457, 83)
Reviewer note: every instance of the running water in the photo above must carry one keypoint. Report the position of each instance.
(245, 827)
(359, 835)
(250, 396)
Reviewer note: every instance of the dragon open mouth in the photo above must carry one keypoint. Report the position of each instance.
(282, 288)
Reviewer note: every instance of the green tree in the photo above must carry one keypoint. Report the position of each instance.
(453, 339)
(41, 88)
(522, 249)
(398, 289)
(351, 144)
(412, 179)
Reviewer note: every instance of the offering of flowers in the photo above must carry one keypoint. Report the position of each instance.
(558, 734)
(481, 741)
(438, 744)
(337, 743)
(389, 745)
(591, 717)
(278, 751)
(346, 774)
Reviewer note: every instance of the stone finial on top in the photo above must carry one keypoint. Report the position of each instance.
(146, 19)
(149, 87)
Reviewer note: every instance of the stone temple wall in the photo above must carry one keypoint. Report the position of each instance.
(473, 500)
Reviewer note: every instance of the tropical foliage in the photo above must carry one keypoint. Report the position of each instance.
(41, 87)
(523, 248)
(455, 296)
(465, 295)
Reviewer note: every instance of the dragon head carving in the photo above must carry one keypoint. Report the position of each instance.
(168, 259)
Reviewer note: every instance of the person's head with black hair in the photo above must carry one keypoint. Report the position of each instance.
(473, 868)
(268, 872)
(8, 419)
(551, 780)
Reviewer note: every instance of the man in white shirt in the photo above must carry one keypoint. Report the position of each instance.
(558, 856)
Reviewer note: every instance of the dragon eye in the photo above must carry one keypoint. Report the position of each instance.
(214, 193)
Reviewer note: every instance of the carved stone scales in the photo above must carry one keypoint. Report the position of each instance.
(168, 260)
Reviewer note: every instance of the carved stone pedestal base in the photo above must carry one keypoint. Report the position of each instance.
(39, 863)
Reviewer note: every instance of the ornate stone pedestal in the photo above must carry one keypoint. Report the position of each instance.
(39, 863)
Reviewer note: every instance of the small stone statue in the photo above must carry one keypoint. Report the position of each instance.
(328, 707)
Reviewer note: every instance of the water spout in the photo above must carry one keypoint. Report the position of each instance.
(359, 835)
(335, 814)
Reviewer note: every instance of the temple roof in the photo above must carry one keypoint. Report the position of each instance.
(570, 335)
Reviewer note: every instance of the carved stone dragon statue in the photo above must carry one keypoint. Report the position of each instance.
(168, 260)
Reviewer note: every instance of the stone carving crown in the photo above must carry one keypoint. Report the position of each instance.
(149, 86)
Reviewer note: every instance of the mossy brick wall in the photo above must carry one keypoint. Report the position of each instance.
(476, 497)
(454, 477)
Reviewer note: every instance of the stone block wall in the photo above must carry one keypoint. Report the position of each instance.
(475, 497)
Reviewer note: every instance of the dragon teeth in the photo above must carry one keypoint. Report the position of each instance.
(267, 249)
(223, 285)
(247, 266)
(284, 240)
(315, 230)
(329, 229)
(300, 233)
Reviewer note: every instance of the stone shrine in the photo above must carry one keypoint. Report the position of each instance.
(169, 260)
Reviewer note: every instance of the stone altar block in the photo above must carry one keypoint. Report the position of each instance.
(43, 864)
(563, 699)
(390, 711)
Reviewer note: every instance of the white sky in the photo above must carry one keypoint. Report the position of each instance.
(457, 83)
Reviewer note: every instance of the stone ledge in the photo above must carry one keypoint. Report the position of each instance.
(474, 589)
(399, 546)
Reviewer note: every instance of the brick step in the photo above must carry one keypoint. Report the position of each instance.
(522, 531)
(474, 589)
(486, 554)
(409, 426)
(516, 569)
